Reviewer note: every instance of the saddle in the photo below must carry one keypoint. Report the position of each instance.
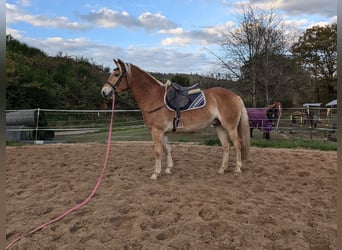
(178, 98)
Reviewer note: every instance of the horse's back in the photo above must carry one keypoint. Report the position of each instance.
(219, 91)
(224, 99)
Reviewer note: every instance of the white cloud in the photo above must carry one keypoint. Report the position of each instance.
(167, 60)
(25, 3)
(176, 31)
(155, 22)
(327, 8)
(177, 40)
(107, 18)
(155, 59)
(14, 14)
(11, 13)
(14, 32)
(204, 36)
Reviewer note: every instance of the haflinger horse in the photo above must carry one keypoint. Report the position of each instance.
(265, 119)
(224, 110)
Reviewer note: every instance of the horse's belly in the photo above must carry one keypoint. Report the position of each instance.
(193, 121)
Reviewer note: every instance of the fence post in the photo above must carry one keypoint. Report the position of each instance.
(37, 126)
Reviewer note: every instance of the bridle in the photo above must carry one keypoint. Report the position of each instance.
(118, 82)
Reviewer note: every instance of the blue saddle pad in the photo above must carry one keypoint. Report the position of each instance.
(196, 101)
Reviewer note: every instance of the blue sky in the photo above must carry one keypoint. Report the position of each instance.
(158, 36)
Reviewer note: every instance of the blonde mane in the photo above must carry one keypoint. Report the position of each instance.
(128, 69)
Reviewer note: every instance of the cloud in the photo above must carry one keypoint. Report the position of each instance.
(154, 59)
(204, 36)
(14, 32)
(309, 7)
(155, 22)
(167, 60)
(327, 8)
(25, 3)
(15, 14)
(107, 18)
(104, 18)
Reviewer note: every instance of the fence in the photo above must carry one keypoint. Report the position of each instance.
(54, 126)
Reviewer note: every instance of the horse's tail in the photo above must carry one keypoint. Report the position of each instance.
(244, 133)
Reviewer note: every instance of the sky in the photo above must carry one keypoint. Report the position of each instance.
(158, 36)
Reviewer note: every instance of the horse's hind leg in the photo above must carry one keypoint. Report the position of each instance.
(233, 136)
(167, 151)
(222, 135)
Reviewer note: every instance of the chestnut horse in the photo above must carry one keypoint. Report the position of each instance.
(224, 110)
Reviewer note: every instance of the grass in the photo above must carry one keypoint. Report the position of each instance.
(14, 143)
(204, 137)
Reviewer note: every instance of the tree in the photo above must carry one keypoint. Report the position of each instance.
(247, 50)
(316, 51)
(182, 80)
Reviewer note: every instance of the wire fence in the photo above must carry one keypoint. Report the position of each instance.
(71, 126)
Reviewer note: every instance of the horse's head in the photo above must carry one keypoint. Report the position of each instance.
(272, 115)
(117, 81)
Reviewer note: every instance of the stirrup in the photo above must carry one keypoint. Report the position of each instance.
(177, 123)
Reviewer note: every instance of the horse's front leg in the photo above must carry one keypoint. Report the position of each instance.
(157, 139)
(167, 151)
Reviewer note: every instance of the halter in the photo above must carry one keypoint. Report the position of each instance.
(118, 82)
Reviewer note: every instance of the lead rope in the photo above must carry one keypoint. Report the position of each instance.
(89, 196)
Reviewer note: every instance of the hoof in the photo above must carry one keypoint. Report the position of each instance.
(221, 171)
(237, 172)
(154, 177)
(168, 171)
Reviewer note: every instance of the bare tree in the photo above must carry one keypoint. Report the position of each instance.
(247, 50)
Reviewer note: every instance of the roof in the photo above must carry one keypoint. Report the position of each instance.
(312, 104)
(332, 103)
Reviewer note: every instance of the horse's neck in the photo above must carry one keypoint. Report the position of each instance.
(146, 90)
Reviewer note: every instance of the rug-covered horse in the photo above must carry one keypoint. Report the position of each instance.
(223, 109)
(265, 119)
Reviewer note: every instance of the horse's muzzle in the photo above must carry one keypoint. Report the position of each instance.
(107, 92)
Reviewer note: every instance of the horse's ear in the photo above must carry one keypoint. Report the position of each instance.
(115, 61)
(118, 63)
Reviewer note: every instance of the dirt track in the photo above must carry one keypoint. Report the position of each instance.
(284, 199)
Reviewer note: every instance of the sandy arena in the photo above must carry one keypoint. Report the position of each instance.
(284, 199)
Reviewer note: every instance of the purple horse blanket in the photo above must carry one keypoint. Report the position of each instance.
(258, 119)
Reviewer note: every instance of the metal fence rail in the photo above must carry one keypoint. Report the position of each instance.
(52, 126)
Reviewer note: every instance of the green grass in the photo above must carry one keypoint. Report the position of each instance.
(205, 137)
(14, 143)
